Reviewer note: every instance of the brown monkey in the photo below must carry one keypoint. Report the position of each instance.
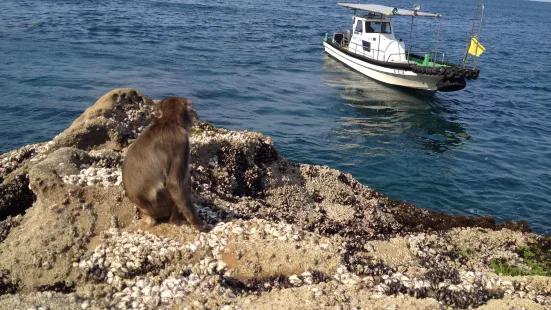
(155, 171)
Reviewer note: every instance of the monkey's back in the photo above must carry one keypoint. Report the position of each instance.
(149, 164)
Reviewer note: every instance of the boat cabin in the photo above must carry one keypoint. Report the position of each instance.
(373, 37)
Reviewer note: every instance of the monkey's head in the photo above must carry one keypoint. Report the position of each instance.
(176, 109)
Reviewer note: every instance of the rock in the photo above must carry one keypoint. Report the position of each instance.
(282, 231)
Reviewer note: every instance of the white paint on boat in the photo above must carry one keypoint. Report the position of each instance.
(386, 75)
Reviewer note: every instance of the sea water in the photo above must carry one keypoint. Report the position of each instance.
(260, 66)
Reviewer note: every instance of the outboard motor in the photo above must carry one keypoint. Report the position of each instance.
(341, 37)
(346, 33)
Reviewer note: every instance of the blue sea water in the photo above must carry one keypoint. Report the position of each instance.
(260, 66)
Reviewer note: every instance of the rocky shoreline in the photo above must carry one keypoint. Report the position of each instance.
(286, 235)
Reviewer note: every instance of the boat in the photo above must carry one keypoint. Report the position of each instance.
(372, 49)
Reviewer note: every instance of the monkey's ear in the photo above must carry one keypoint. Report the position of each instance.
(190, 111)
(157, 111)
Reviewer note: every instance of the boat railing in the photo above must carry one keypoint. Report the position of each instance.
(461, 60)
(367, 54)
(434, 57)
(455, 59)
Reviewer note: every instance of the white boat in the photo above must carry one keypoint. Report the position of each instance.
(372, 49)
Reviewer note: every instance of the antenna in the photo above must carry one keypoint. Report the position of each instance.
(416, 7)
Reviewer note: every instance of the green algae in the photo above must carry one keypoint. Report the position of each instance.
(537, 256)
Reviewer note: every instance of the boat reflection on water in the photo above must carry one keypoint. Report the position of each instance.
(380, 118)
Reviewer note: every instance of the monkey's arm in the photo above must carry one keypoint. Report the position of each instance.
(179, 186)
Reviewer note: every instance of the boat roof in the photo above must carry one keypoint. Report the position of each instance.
(386, 10)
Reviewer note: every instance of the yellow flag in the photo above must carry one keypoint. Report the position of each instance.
(475, 48)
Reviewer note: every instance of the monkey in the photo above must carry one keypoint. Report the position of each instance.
(155, 170)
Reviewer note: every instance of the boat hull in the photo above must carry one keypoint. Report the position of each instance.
(386, 75)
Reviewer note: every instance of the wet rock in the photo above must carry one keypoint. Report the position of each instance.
(422, 220)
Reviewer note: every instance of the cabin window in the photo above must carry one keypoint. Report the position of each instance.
(385, 28)
(359, 26)
(369, 27)
(377, 27)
